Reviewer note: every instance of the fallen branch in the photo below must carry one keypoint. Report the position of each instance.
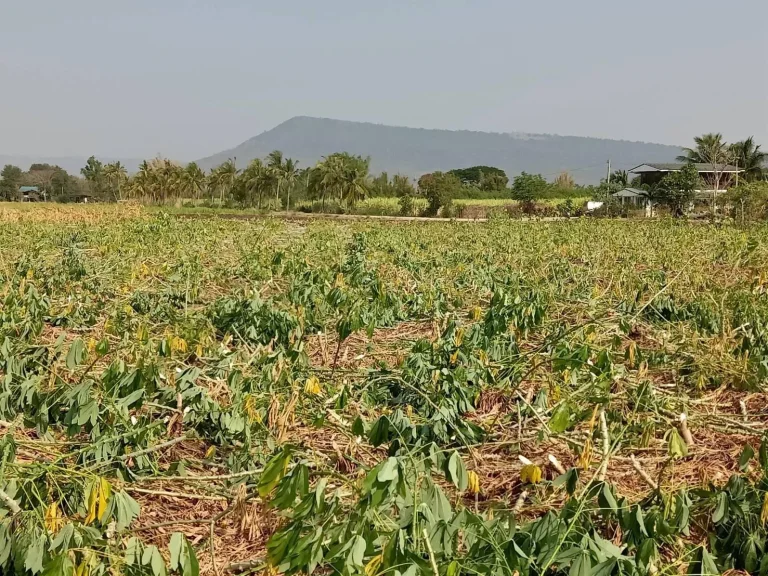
(556, 464)
(643, 474)
(684, 431)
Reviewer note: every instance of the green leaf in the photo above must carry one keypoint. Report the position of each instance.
(703, 564)
(133, 551)
(582, 565)
(273, 472)
(33, 560)
(607, 500)
(763, 453)
(75, 354)
(561, 419)
(358, 427)
(60, 566)
(746, 455)
(157, 563)
(379, 431)
(175, 547)
(677, 447)
(63, 538)
(388, 471)
(720, 508)
(457, 472)
(357, 555)
(191, 567)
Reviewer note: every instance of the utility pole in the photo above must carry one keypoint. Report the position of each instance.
(608, 174)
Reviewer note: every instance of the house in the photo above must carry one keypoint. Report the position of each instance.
(631, 196)
(82, 198)
(716, 177)
(29, 193)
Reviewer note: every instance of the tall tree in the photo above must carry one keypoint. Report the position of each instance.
(116, 175)
(711, 149)
(290, 174)
(527, 188)
(275, 165)
(256, 180)
(677, 189)
(620, 177)
(193, 180)
(223, 178)
(10, 179)
(750, 158)
(705, 147)
(93, 172)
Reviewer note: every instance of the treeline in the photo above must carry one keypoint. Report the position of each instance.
(338, 182)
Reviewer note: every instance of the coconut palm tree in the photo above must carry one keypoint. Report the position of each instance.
(749, 158)
(256, 179)
(193, 180)
(116, 175)
(290, 173)
(356, 178)
(276, 166)
(620, 177)
(325, 179)
(223, 178)
(707, 146)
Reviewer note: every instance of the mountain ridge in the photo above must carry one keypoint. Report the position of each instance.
(415, 151)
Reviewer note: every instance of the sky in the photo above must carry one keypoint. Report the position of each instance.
(187, 78)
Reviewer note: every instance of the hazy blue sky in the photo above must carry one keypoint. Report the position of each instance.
(189, 78)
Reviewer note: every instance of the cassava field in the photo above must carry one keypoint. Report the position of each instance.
(184, 396)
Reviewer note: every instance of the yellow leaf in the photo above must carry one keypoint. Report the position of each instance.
(530, 473)
(764, 511)
(473, 482)
(585, 458)
(93, 497)
(476, 313)
(454, 358)
(312, 386)
(105, 490)
(210, 453)
(53, 518)
(372, 568)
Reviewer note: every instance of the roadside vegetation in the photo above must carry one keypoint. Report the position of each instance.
(182, 396)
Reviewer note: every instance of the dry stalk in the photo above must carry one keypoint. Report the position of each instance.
(684, 431)
(643, 474)
(606, 446)
(556, 464)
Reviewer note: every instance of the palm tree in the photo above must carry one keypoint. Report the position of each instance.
(356, 181)
(193, 180)
(290, 173)
(707, 146)
(620, 177)
(256, 178)
(749, 157)
(223, 178)
(275, 164)
(116, 175)
(328, 178)
(710, 149)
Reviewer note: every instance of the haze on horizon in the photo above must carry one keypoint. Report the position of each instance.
(188, 79)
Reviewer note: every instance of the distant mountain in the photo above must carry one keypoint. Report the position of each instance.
(71, 164)
(415, 151)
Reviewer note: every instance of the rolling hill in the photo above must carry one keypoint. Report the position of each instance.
(415, 151)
